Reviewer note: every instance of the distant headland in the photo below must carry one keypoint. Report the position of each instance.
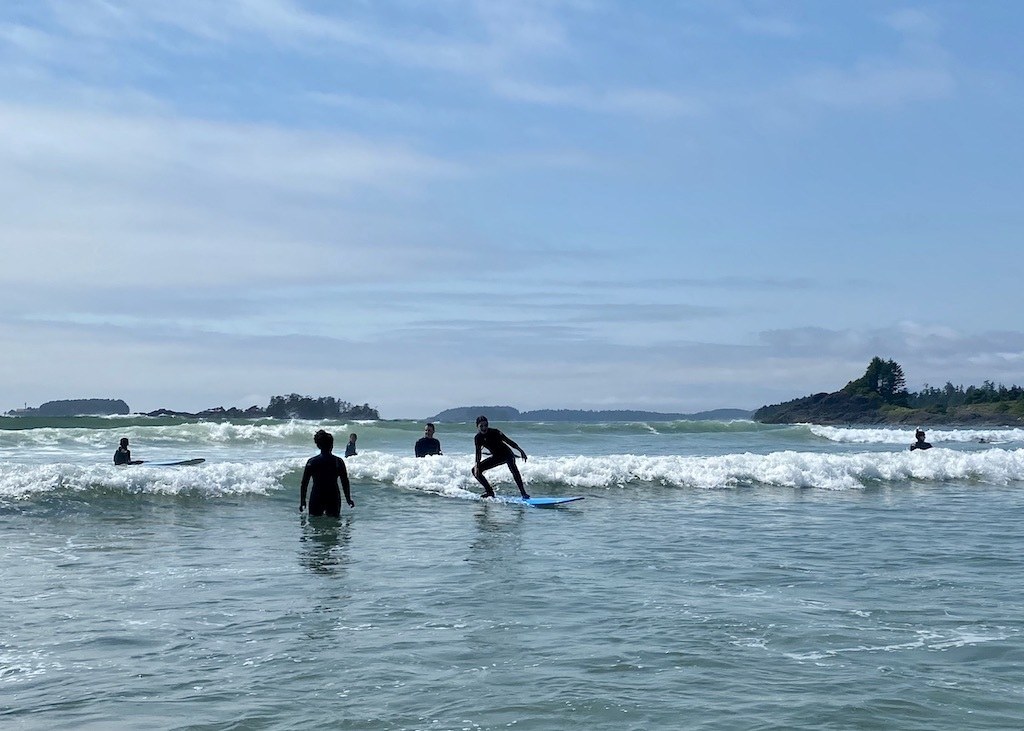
(880, 396)
(292, 406)
(508, 413)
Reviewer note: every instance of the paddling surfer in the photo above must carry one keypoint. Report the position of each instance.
(325, 470)
(123, 455)
(500, 448)
(920, 443)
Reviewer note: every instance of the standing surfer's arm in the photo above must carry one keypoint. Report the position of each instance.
(343, 476)
(302, 489)
(512, 444)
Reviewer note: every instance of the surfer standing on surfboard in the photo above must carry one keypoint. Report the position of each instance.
(500, 447)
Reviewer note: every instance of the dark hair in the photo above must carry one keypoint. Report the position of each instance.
(324, 440)
(480, 419)
(124, 441)
(430, 424)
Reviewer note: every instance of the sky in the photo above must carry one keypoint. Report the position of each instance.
(594, 204)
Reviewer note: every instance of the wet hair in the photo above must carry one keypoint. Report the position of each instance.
(124, 441)
(919, 433)
(481, 420)
(324, 440)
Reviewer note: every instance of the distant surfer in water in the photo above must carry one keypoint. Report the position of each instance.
(427, 444)
(325, 470)
(123, 455)
(920, 443)
(350, 448)
(500, 447)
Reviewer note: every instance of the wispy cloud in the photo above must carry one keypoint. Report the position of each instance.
(163, 193)
(874, 84)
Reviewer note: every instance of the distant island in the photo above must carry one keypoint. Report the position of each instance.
(292, 406)
(77, 407)
(508, 413)
(880, 396)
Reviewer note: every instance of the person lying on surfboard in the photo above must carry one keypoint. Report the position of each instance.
(500, 447)
(123, 455)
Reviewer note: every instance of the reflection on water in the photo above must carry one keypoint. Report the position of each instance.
(499, 533)
(324, 543)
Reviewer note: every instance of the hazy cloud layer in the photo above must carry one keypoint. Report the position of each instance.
(537, 202)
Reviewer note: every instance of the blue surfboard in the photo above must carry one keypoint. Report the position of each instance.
(547, 502)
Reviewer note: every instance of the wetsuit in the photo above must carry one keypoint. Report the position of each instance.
(494, 442)
(350, 449)
(325, 499)
(427, 445)
(123, 455)
(920, 444)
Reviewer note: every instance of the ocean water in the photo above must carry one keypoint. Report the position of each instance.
(717, 576)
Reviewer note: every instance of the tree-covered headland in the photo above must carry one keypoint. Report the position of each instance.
(292, 406)
(295, 406)
(880, 396)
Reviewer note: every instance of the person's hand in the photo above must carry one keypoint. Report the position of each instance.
(351, 504)
(523, 453)
(302, 506)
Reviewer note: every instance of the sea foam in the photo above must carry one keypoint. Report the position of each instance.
(450, 475)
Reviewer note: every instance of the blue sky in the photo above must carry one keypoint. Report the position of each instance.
(542, 203)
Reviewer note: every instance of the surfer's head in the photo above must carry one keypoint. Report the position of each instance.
(124, 441)
(324, 440)
(919, 434)
(481, 423)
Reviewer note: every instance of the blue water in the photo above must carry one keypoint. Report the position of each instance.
(717, 576)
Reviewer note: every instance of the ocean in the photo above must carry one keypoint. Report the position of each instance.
(716, 576)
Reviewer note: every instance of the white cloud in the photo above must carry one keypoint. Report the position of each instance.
(122, 199)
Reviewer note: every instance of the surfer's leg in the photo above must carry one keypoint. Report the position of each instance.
(478, 473)
(517, 477)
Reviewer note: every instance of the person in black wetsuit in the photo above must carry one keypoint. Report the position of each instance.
(427, 444)
(123, 455)
(325, 470)
(920, 443)
(350, 448)
(500, 447)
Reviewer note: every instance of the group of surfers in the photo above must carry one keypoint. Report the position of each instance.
(326, 470)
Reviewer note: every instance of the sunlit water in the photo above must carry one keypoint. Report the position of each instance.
(717, 576)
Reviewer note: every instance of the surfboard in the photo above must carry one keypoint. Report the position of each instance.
(179, 463)
(547, 502)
